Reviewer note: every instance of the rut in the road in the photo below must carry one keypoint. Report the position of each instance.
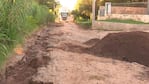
(36, 55)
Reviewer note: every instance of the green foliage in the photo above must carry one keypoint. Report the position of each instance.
(51, 4)
(17, 19)
(52, 17)
(77, 14)
(83, 8)
(83, 11)
(39, 13)
(84, 23)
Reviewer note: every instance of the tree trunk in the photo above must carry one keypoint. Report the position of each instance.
(93, 12)
(148, 7)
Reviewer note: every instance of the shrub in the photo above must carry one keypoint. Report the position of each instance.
(84, 23)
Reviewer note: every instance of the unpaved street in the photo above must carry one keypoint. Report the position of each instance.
(56, 55)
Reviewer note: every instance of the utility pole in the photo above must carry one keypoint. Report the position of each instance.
(93, 12)
(147, 6)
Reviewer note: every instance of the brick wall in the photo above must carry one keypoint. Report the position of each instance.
(128, 10)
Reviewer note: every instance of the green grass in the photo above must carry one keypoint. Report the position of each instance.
(129, 21)
(84, 23)
(19, 18)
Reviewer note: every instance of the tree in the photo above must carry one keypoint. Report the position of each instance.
(53, 5)
(83, 8)
(50, 3)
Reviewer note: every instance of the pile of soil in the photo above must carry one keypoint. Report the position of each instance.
(128, 46)
(92, 41)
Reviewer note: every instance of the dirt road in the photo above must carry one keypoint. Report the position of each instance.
(55, 55)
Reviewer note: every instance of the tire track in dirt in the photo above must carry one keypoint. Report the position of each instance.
(36, 55)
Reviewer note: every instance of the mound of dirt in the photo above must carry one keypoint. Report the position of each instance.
(92, 41)
(128, 46)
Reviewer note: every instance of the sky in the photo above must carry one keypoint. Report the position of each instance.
(70, 4)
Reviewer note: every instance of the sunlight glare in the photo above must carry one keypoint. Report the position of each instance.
(70, 4)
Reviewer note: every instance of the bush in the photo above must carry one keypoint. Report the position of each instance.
(85, 23)
(51, 17)
(12, 19)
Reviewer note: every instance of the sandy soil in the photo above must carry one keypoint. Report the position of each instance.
(68, 64)
(69, 67)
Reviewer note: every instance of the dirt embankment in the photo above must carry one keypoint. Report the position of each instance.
(36, 55)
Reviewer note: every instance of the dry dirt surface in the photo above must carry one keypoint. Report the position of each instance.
(59, 55)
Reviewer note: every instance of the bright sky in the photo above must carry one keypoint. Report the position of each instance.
(68, 3)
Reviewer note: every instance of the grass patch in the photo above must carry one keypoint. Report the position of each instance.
(129, 21)
(84, 23)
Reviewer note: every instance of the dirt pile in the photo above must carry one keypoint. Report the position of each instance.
(128, 46)
(92, 41)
